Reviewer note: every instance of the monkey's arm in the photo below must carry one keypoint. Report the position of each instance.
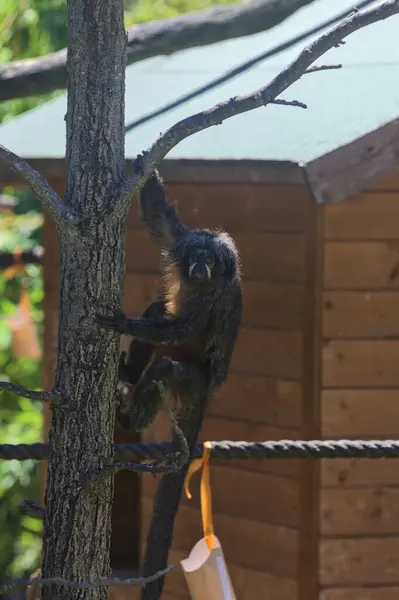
(224, 348)
(139, 353)
(169, 330)
(158, 215)
(133, 363)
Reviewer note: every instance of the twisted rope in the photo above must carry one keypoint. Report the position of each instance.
(229, 450)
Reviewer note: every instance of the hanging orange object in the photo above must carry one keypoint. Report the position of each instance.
(25, 342)
(205, 569)
(206, 498)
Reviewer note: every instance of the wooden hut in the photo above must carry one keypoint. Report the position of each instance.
(312, 200)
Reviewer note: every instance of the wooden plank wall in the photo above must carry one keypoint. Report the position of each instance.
(359, 503)
(256, 504)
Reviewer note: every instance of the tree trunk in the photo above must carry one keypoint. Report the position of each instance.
(78, 525)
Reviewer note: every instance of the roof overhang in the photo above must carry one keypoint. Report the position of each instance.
(181, 170)
(351, 168)
(331, 178)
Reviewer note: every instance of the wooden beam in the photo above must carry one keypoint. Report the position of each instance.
(350, 169)
(308, 556)
(219, 171)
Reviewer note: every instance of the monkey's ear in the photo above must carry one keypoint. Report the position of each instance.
(159, 216)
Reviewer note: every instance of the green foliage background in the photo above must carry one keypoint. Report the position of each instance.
(30, 28)
(20, 418)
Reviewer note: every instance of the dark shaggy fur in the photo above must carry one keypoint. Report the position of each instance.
(185, 339)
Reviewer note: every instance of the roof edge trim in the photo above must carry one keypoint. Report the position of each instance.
(348, 170)
(183, 171)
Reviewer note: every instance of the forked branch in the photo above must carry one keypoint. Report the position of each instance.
(261, 97)
(51, 201)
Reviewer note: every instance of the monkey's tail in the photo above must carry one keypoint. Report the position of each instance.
(166, 504)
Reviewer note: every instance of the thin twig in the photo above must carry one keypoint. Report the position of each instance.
(51, 201)
(282, 102)
(316, 68)
(51, 395)
(241, 104)
(100, 582)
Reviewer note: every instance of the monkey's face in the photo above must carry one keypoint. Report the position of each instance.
(205, 257)
(200, 263)
(197, 265)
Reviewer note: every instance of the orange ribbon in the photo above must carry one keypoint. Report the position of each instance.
(206, 499)
(24, 334)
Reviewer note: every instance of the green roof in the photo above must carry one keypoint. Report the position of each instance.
(343, 105)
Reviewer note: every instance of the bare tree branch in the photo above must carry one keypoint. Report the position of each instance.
(242, 104)
(316, 69)
(50, 200)
(282, 102)
(45, 74)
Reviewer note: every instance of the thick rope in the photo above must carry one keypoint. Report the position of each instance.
(229, 450)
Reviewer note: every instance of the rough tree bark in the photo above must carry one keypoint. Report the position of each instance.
(77, 526)
(91, 224)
